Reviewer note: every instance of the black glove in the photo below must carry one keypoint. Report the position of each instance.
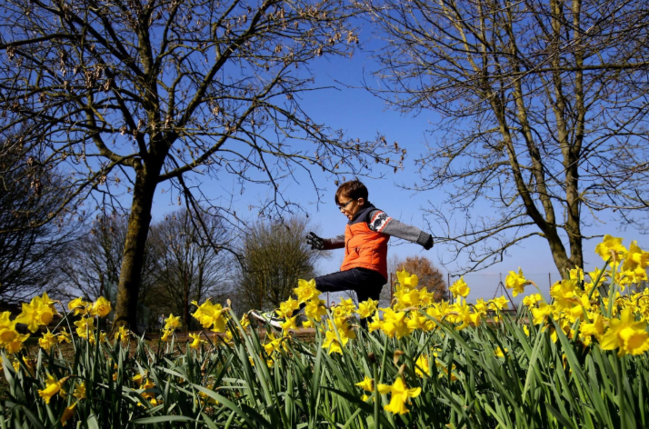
(429, 243)
(314, 241)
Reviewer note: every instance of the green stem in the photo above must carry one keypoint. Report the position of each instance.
(377, 423)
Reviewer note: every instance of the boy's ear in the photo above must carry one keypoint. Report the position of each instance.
(361, 201)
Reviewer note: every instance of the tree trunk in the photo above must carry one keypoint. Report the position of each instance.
(186, 309)
(561, 259)
(133, 257)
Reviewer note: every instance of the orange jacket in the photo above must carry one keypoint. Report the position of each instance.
(365, 248)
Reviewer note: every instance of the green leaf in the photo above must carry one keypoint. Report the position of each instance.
(368, 408)
(162, 419)
(249, 412)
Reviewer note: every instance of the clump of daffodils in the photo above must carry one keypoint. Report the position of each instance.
(171, 323)
(624, 328)
(574, 299)
(613, 318)
(89, 311)
(38, 312)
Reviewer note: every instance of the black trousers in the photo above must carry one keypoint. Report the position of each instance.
(366, 283)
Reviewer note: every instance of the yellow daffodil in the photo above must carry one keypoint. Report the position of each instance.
(417, 321)
(8, 331)
(516, 282)
(39, 312)
(635, 258)
(406, 298)
(101, 307)
(400, 395)
(139, 378)
(172, 322)
(63, 337)
(367, 384)
(53, 387)
(275, 344)
(611, 247)
(85, 326)
(148, 385)
(287, 308)
(79, 307)
(166, 333)
(499, 303)
(17, 344)
(367, 308)
(306, 291)
(122, 334)
(406, 280)
(331, 343)
(227, 338)
(315, 309)
(10, 339)
(47, 341)
(375, 324)
(345, 309)
(80, 391)
(541, 313)
(196, 341)
(289, 323)
(421, 366)
(460, 288)
(594, 329)
(345, 331)
(532, 300)
(245, 321)
(594, 275)
(211, 315)
(30, 364)
(395, 323)
(68, 413)
(626, 334)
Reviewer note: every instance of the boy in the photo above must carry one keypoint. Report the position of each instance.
(364, 269)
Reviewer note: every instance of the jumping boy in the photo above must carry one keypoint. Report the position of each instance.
(364, 269)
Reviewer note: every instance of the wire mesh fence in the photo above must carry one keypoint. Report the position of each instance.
(492, 285)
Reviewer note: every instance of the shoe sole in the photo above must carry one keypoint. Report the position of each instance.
(261, 318)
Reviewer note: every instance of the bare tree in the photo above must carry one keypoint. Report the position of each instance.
(92, 263)
(543, 108)
(189, 266)
(275, 257)
(134, 94)
(29, 248)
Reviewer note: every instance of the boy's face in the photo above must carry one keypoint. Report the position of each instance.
(349, 207)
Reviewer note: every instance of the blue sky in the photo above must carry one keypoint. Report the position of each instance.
(361, 115)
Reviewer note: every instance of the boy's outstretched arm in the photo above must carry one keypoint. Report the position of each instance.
(381, 222)
(318, 243)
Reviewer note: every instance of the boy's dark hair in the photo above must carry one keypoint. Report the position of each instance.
(353, 189)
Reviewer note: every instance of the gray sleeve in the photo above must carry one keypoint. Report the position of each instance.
(381, 222)
(337, 242)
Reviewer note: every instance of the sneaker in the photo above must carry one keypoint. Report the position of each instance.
(268, 317)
